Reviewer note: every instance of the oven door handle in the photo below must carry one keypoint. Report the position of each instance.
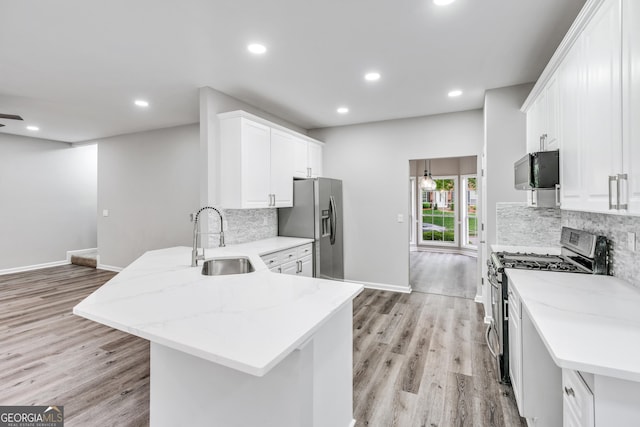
(488, 333)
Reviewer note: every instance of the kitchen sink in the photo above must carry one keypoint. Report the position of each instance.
(227, 265)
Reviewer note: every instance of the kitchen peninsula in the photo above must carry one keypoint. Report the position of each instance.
(259, 348)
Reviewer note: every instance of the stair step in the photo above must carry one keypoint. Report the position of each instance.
(86, 260)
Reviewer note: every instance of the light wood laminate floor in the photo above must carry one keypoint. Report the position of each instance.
(419, 359)
(444, 274)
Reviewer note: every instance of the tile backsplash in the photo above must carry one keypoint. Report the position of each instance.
(517, 223)
(626, 264)
(245, 225)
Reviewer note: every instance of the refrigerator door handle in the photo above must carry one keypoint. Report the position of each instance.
(334, 219)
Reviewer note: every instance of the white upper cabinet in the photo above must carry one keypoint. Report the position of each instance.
(595, 77)
(259, 159)
(570, 81)
(542, 120)
(601, 138)
(282, 168)
(256, 165)
(314, 156)
(631, 102)
(308, 158)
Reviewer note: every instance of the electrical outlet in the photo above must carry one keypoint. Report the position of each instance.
(105, 212)
(631, 241)
(400, 218)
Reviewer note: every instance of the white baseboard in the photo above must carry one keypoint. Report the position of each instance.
(79, 252)
(478, 299)
(383, 286)
(109, 268)
(33, 267)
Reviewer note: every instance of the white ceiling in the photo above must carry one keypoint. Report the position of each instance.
(74, 67)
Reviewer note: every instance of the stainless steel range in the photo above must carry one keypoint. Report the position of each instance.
(581, 252)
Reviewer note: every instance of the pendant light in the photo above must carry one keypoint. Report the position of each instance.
(427, 182)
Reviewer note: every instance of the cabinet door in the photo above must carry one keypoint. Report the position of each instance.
(577, 401)
(551, 130)
(515, 349)
(315, 159)
(255, 141)
(282, 167)
(533, 137)
(571, 86)
(301, 158)
(306, 266)
(290, 267)
(631, 101)
(601, 142)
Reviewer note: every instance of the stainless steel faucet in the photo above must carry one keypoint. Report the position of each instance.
(196, 233)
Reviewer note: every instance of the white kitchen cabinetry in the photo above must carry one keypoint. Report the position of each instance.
(631, 101)
(259, 159)
(296, 261)
(542, 120)
(256, 167)
(577, 401)
(534, 374)
(281, 166)
(515, 347)
(308, 159)
(601, 138)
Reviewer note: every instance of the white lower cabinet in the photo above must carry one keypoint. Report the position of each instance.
(577, 401)
(296, 261)
(534, 374)
(515, 347)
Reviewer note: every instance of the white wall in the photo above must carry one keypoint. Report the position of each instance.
(149, 183)
(505, 127)
(373, 162)
(48, 200)
(505, 142)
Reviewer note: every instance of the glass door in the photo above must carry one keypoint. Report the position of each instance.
(439, 213)
(469, 204)
(412, 220)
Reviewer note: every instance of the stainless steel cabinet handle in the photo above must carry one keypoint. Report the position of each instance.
(623, 177)
(308, 172)
(557, 194)
(614, 178)
(569, 391)
(505, 307)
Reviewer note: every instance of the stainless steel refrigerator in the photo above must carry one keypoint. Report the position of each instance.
(317, 214)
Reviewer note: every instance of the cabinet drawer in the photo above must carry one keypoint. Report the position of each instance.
(288, 255)
(272, 260)
(578, 402)
(304, 250)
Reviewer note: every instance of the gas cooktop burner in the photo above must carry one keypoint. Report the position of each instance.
(527, 261)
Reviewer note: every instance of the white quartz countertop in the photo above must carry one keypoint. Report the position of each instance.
(248, 322)
(588, 322)
(545, 250)
(273, 244)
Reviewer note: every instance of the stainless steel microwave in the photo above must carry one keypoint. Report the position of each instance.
(537, 170)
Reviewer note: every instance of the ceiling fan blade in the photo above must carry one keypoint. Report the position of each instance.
(10, 116)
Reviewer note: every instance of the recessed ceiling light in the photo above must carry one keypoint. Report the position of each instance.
(372, 77)
(256, 48)
(343, 110)
(455, 93)
(141, 103)
(33, 128)
(443, 2)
